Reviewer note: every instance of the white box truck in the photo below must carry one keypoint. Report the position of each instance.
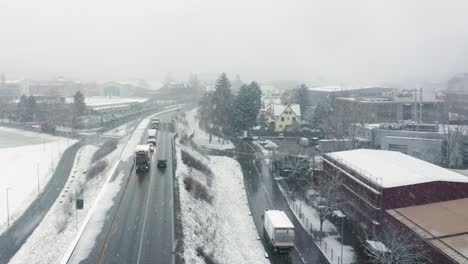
(152, 136)
(278, 230)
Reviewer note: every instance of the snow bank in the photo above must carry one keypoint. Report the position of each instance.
(202, 138)
(25, 167)
(235, 226)
(46, 239)
(224, 229)
(122, 130)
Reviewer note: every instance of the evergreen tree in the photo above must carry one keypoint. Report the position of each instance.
(31, 107)
(205, 110)
(300, 95)
(79, 103)
(247, 106)
(222, 100)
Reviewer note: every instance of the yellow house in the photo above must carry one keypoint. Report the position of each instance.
(282, 116)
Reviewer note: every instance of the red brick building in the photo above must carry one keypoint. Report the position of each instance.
(378, 185)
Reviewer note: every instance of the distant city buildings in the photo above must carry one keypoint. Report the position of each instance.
(456, 95)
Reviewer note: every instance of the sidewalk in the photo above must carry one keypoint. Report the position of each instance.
(331, 242)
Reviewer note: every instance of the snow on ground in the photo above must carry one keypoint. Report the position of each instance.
(224, 229)
(202, 138)
(235, 225)
(122, 130)
(26, 158)
(309, 219)
(48, 239)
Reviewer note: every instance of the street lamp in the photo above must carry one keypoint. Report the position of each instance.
(7, 206)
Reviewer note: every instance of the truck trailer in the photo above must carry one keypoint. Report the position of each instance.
(278, 230)
(152, 136)
(142, 160)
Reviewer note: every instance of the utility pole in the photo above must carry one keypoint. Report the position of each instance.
(38, 183)
(420, 104)
(7, 208)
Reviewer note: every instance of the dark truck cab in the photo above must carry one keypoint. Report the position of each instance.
(142, 161)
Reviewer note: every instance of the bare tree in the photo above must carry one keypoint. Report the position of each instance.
(452, 135)
(298, 170)
(328, 189)
(390, 248)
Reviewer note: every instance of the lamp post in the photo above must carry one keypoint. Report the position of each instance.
(7, 207)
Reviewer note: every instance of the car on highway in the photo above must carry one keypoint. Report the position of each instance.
(151, 147)
(162, 163)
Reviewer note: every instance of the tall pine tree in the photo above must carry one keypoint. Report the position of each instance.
(247, 106)
(79, 103)
(222, 100)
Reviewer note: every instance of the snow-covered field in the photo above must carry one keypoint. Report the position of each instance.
(200, 137)
(122, 130)
(60, 225)
(27, 161)
(224, 228)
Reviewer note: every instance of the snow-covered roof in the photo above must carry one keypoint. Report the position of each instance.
(329, 88)
(278, 109)
(393, 169)
(279, 219)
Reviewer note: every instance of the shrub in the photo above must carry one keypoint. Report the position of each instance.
(197, 189)
(104, 150)
(96, 168)
(60, 224)
(189, 160)
(208, 258)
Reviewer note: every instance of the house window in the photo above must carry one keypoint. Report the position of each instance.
(282, 119)
(294, 119)
(280, 126)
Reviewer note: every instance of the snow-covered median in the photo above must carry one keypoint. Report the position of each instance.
(215, 216)
(27, 161)
(200, 137)
(60, 225)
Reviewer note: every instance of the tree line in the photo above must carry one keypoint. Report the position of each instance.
(222, 112)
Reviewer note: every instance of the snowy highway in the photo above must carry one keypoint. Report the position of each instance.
(137, 226)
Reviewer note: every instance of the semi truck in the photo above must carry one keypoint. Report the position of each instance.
(152, 136)
(278, 230)
(142, 160)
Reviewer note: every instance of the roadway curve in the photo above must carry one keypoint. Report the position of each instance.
(13, 238)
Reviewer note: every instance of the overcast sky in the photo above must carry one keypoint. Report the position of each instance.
(339, 41)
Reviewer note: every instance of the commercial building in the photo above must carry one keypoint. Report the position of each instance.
(393, 192)
(316, 95)
(10, 89)
(392, 107)
(456, 94)
(445, 145)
